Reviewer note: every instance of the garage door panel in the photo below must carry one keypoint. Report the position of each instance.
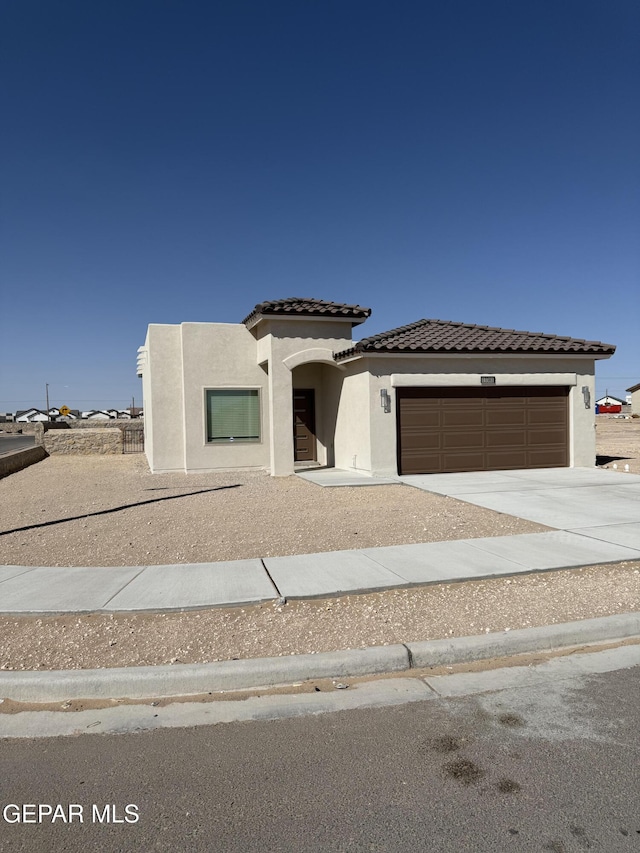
(546, 437)
(462, 461)
(419, 419)
(546, 459)
(506, 459)
(501, 438)
(481, 429)
(459, 417)
(506, 417)
(428, 441)
(553, 416)
(472, 439)
(454, 401)
(415, 464)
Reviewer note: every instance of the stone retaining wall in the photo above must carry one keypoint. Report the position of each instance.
(17, 429)
(83, 442)
(33, 428)
(13, 462)
(133, 424)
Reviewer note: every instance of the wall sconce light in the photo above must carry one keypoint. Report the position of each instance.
(385, 400)
(586, 393)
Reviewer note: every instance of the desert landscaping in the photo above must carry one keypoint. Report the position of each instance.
(109, 511)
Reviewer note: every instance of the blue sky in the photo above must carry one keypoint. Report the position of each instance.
(172, 161)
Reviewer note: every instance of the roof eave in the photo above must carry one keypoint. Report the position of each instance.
(253, 319)
(360, 353)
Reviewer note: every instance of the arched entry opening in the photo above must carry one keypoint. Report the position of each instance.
(316, 391)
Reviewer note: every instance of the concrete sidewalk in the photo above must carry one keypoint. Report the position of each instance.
(132, 588)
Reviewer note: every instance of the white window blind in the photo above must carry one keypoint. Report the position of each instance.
(233, 415)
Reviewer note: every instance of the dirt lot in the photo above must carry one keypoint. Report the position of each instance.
(101, 511)
(618, 443)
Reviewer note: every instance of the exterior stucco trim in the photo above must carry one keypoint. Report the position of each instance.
(308, 356)
(550, 356)
(472, 380)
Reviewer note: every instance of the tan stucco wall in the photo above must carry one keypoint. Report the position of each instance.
(377, 445)
(182, 362)
(635, 402)
(220, 355)
(354, 422)
(162, 393)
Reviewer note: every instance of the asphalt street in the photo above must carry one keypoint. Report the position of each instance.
(11, 443)
(553, 766)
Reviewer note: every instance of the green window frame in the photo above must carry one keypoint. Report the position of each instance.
(233, 415)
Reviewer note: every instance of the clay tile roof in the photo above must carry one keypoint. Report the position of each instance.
(295, 306)
(442, 336)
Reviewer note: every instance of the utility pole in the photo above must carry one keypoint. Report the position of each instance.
(133, 407)
(48, 415)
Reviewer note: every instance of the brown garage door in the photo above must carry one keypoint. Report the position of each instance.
(481, 429)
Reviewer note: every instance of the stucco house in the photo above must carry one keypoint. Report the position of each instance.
(288, 387)
(635, 398)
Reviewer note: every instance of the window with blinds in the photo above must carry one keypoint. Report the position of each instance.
(233, 415)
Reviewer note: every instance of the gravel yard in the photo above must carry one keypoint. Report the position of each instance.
(110, 511)
(76, 511)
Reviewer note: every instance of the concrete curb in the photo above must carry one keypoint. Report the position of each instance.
(188, 679)
(145, 682)
(466, 649)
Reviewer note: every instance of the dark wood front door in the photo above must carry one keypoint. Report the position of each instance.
(304, 425)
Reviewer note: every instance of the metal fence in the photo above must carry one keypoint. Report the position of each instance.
(132, 440)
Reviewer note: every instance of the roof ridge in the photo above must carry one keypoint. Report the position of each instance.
(413, 325)
(451, 336)
(310, 307)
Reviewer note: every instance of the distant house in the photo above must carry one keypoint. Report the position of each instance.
(608, 400)
(29, 416)
(288, 387)
(635, 398)
(97, 415)
(34, 415)
(7, 417)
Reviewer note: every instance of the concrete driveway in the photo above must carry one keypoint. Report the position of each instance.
(603, 505)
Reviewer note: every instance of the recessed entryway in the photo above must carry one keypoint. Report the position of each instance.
(304, 425)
